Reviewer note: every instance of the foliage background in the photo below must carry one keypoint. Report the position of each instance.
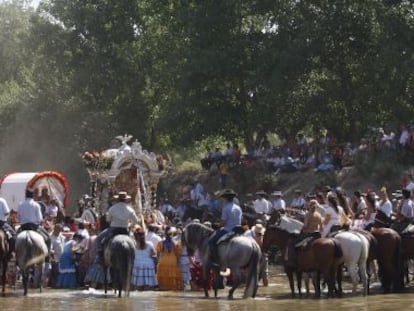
(183, 74)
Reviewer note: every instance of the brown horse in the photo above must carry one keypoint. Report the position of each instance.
(4, 258)
(404, 253)
(319, 258)
(389, 259)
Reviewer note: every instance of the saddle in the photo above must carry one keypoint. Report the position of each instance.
(337, 229)
(307, 239)
(226, 238)
(403, 228)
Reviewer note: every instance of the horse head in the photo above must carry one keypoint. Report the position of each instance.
(195, 234)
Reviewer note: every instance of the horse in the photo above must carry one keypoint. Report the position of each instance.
(239, 252)
(372, 252)
(319, 257)
(119, 256)
(30, 250)
(191, 211)
(407, 245)
(4, 258)
(355, 250)
(389, 259)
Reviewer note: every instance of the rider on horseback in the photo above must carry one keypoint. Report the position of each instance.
(5, 226)
(405, 215)
(30, 216)
(231, 216)
(118, 215)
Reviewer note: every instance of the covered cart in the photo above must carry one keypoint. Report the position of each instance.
(14, 185)
(126, 168)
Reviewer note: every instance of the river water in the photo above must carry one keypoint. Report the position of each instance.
(274, 297)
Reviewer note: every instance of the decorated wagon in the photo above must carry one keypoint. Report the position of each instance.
(14, 185)
(124, 168)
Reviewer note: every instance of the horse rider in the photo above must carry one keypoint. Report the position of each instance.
(405, 215)
(231, 216)
(30, 216)
(5, 226)
(118, 216)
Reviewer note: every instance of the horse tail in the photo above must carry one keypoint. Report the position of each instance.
(252, 272)
(37, 257)
(122, 259)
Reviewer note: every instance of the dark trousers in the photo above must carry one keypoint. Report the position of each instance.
(212, 243)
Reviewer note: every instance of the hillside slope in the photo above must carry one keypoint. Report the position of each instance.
(373, 175)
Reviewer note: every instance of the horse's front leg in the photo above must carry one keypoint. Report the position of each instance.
(41, 267)
(289, 274)
(206, 269)
(3, 278)
(105, 279)
(299, 281)
(25, 276)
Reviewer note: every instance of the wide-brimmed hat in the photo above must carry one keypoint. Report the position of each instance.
(122, 195)
(298, 191)
(228, 193)
(259, 228)
(261, 192)
(276, 193)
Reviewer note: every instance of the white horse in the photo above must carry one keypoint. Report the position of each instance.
(31, 250)
(355, 249)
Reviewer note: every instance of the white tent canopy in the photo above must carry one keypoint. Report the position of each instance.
(14, 185)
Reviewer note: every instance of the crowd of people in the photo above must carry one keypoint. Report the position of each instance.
(321, 153)
(161, 259)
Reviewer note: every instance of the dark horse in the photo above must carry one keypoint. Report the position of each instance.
(389, 259)
(319, 257)
(239, 252)
(4, 258)
(119, 257)
(397, 249)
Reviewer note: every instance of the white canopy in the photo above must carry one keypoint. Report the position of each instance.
(14, 185)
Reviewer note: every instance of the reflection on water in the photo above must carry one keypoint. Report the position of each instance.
(274, 297)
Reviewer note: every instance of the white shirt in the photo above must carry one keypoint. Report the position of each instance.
(153, 238)
(298, 203)
(410, 186)
(279, 204)
(51, 210)
(120, 214)
(57, 243)
(404, 137)
(386, 208)
(4, 210)
(262, 206)
(29, 211)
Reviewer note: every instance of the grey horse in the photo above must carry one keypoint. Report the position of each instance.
(119, 258)
(31, 250)
(239, 252)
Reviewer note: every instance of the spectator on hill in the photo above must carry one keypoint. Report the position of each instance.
(207, 161)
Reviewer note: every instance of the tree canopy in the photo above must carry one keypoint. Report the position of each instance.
(76, 73)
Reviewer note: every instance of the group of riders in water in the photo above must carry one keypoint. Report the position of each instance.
(321, 237)
(385, 246)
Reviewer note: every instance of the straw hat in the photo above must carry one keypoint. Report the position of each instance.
(259, 229)
(122, 195)
(277, 194)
